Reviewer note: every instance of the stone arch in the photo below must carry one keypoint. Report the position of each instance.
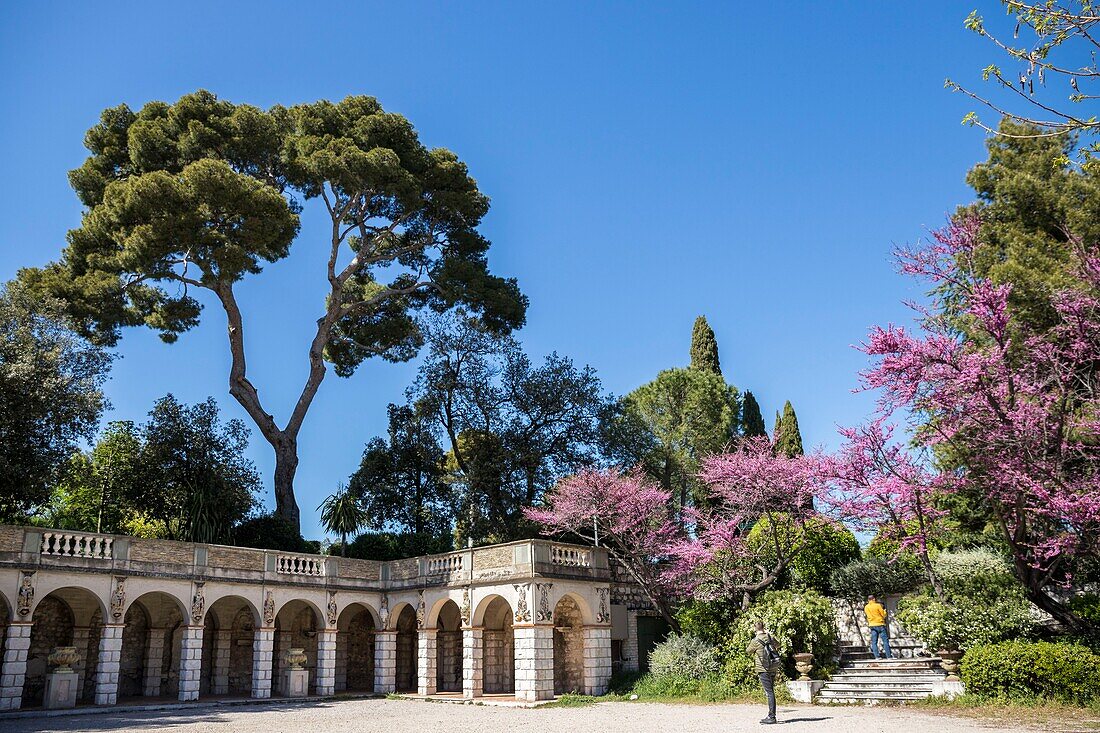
(498, 646)
(229, 635)
(588, 616)
(297, 625)
(568, 646)
(397, 611)
(355, 630)
(448, 647)
(65, 616)
(431, 618)
(151, 645)
(155, 600)
(406, 671)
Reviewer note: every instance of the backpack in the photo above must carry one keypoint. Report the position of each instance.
(774, 660)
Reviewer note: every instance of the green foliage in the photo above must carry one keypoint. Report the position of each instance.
(1066, 672)
(50, 397)
(710, 621)
(801, 621)
(752, 422)
(704, 347)
(684, 658)
(341, 513)
(1086, 606)
(786, 435)
(983, 603)
(827, 545)
(269, 532)
(874, 576)
(395, 546)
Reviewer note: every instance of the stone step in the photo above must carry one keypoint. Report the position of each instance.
(878, 686)
(923, 679)
(868, 698)
(892, 664)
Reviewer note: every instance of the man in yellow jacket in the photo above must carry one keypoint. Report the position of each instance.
(876, 619)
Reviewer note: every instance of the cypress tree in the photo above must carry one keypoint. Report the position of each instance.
(752, 422)
(788, 439)
(704, 347)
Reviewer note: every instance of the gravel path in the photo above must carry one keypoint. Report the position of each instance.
(411, 716)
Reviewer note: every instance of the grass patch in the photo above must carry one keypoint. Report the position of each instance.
(1033, 712)
(572, 700)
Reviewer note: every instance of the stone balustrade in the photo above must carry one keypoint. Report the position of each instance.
(300, 565)
(444, 564)
(572, 557)
(76, 544)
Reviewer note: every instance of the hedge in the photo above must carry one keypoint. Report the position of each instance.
(1059, 671)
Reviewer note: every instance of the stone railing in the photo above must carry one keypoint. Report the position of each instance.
(76, 544)
(300, 565)
(570, 557)
(444, 564)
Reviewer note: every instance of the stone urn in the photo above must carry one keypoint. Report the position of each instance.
(294, 658)
(804, 663)
(63, 658)
(949, 660)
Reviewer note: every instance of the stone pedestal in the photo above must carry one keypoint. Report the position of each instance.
(597, 659)
(473, 667)
(110, 655)
(950, 689)
(190, 663)
(804, 690)
(425, 662)
(263, 646)
(61, 690)
(326, 662)
(295, 683)
(534, 662)
(17, 642)
(385, 662)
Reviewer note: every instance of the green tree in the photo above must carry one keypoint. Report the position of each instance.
(341, 513)
(194, 196)
(786, 436)
(752, 422)
(50, 397)
(704, 347)
(690, 413)
(400, 480)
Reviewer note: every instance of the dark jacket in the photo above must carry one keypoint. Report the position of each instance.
(759, 653)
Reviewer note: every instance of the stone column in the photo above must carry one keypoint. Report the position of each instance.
(326, 662)
(84, 665)
(219, 685)
(154, 658)
(425, 662)
(534, 662)
(631, 662)
(190, 663)
(17, 643)
(597, 659)
(473, 662)
(385, 662)
(110, 655)
(263, 646)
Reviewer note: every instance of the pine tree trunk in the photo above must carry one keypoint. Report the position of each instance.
(286, 464)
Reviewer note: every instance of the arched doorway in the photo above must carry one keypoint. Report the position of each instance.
(64, 617)
(296, 626)
(448, 649)
(355, 649)
(498, 649)
(229, 635)
(568, 647)
(405, 678)
(149, 661)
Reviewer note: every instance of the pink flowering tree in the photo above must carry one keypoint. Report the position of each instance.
(876, 484)
(626, 513)
(752, 484)
(1019, 408)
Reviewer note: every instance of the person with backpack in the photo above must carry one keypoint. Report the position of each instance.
(767, 662)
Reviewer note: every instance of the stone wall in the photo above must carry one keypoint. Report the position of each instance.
(493, 557)
(568, 647)
(406, 651)
(235, 558)
(355, 648)
(241, 638)
(53, 626)
(448, 646)
(162, 552)
(295, 628)
(135, 638)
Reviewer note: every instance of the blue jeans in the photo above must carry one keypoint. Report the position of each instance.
(880, 633)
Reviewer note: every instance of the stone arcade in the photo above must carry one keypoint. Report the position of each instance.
(161, 619)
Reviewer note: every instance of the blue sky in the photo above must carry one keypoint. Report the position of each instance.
(754, 163)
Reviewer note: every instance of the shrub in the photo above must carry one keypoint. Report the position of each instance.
(828, 544)
(269, 532)
(711, 621)
(800, 622)
(1064, 672)
(877, 576)
(682, 657)
(968, 573)
(1086, 606)
(966, 623)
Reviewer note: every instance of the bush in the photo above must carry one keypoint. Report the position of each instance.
(270, 532)
(828, 544)
(394, 546)
(711, 621)
(1086, 606)
(800, 622)
(1065, 672)
(861, 578)
(684, 658)
(969, 573)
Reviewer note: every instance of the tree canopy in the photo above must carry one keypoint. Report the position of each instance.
(196, 195)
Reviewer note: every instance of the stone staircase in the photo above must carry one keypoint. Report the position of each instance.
(864, 679)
